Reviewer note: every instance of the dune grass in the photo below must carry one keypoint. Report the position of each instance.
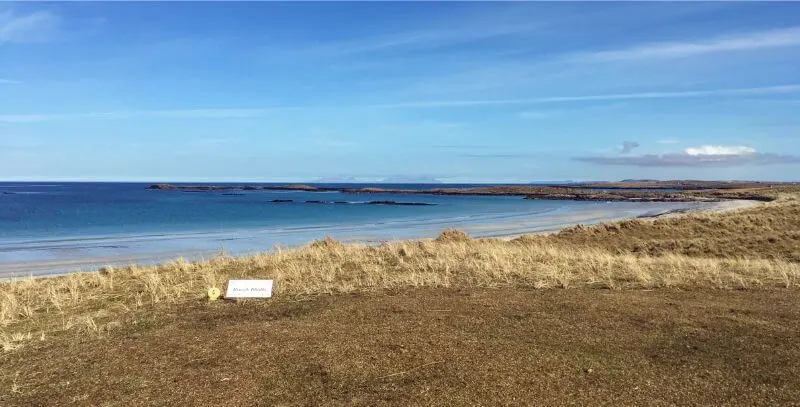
(769, 230)
(97, 302)
(604, 256)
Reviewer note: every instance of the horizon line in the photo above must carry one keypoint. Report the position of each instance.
(175, 181)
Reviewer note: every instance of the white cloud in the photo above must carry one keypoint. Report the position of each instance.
(719, 150)
(38, 26)
(703, 156)
(9, 82)
(751, 41)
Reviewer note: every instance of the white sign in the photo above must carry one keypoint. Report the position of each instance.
(249, 289)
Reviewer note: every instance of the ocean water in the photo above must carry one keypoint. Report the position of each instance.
(59, 227)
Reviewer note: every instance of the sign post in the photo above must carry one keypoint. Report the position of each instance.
(249, 289)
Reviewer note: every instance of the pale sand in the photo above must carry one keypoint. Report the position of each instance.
(710, 207)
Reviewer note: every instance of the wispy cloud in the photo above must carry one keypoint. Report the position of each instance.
(765, 90)
(468, 28)
(188, 114)
(37, 26)
(525, 68)
(421, 39)
(744, 42)
(502, 155)
(553, 113)
(535, 114)
(703, 156)
(9, 82)
(239, 113)
(668, 141)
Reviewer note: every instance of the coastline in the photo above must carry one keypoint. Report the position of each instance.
(506, 230)
(708, 208)
(717, 207)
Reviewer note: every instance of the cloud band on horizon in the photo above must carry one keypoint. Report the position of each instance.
(703, 156)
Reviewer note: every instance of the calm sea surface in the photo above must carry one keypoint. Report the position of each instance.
(53, 227)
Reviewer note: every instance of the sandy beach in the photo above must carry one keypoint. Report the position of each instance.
(699, 208)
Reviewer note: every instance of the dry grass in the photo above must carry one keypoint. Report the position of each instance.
(453, 235)
(97, 302)
(754, 248)
(770, 230)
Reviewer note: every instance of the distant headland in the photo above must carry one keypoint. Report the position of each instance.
(625, 190)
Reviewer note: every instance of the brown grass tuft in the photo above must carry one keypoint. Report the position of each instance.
(453, 235)
(326, 243)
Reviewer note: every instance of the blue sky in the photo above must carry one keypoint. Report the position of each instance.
(460, 92)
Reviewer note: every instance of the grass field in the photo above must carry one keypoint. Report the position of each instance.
(724, 283)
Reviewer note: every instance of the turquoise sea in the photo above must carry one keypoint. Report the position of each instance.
(58, 227)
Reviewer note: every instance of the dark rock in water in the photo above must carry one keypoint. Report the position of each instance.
(8, 193)
(399, 203)
(250, 188)
(317, 202)
(232, 194)
(341, 202)
(162, 186)
(281, 200)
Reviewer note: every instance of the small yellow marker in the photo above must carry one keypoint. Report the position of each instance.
(213, 293)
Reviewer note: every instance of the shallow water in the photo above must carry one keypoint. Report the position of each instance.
(59, 227)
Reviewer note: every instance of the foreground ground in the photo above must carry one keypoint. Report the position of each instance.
(435, 347)
(696, 309)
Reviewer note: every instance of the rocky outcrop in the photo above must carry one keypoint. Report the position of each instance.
(162, 187)
(295, 187)
(399, 203)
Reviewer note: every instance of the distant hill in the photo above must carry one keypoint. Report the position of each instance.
(395, 179)
(402, 179)
(342, 179)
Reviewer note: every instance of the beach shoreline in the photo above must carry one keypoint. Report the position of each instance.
(534, 225)
(706, 208)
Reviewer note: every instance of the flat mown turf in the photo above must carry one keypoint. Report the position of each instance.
(432, 347)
